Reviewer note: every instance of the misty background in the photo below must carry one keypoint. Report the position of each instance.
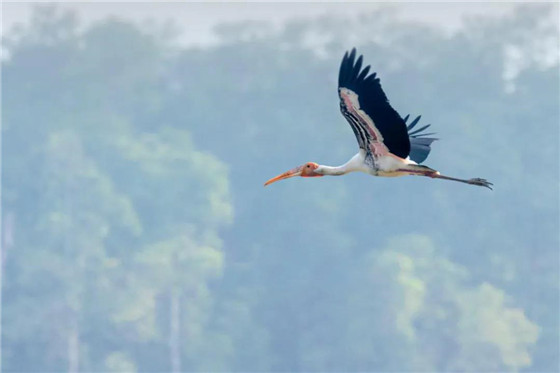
(137, 235)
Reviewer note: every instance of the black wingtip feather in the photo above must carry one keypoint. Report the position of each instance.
(357, 67)
(343, 71)
(414, 122)
(363, 74)
(417, 131)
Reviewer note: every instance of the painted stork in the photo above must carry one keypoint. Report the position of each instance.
(388, 147)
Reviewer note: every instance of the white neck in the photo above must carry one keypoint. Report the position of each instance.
(330, 170)
(356, 163)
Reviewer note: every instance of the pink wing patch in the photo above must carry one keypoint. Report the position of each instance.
(350, 100)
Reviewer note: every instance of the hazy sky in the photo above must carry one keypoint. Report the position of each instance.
(198, 19)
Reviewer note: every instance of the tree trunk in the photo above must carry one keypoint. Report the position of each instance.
(73, 347)
(6, 242)
(175, 331)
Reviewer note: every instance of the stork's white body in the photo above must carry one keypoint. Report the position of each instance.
(387, 165)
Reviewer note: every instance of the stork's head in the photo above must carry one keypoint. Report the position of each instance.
(306, 170)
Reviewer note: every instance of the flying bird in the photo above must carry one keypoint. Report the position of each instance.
(387, 145)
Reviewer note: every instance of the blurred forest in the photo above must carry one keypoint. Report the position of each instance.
(138, 235)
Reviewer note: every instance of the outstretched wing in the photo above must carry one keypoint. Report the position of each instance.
(364, 104)
(420, 145)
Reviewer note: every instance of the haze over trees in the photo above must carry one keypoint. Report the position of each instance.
(138, 235)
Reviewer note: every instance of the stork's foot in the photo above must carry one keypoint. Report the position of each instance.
(480, 182)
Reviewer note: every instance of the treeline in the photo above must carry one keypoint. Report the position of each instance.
(138, 236)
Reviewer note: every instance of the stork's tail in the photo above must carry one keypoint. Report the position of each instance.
(420, 148)
(420, 145)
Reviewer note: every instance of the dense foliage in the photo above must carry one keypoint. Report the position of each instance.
(138, 235)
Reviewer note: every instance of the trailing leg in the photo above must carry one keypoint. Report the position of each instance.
(473, 181)
(422, 170)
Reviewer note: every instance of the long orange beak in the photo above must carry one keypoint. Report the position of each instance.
(286, 175)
